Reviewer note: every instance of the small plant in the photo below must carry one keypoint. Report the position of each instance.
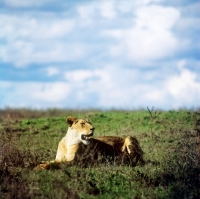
(154, 114)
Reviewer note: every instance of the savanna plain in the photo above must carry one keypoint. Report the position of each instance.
(170, 141)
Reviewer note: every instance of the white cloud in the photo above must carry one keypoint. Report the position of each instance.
(108, 87)
(103, 83)
(24, 53)
(107, 9)
(51, 71)
(155, 96)
(51, 92)
(87, 11)
(142, 46)
(33, 94)
(115, 87)
(151, 37)
(25, 3)
(157, 17)
(124, 6)
(131, 88)
(31, 40)
(78, 75)
(48, 38)
(184, 87)
(33, 28)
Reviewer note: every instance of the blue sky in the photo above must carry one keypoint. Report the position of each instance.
(100, 54)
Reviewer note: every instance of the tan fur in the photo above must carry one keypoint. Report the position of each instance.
(78, 134)
(68, 146)
(127, 149)
(79, 145)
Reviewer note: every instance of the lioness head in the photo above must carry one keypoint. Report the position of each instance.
(80, 129)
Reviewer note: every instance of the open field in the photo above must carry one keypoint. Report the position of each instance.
(170, 141)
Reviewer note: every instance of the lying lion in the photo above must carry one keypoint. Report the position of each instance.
(79, 146)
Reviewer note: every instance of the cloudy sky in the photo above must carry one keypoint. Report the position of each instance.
(105, 54)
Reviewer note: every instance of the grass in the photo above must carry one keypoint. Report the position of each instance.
(170, 141)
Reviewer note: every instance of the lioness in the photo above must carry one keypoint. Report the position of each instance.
(79, 145)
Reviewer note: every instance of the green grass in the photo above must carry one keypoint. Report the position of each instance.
(170, 141)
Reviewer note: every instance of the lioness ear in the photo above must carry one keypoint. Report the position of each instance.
(87, 120)
(70, 120)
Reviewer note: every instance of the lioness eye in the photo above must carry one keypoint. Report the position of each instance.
(83, 124)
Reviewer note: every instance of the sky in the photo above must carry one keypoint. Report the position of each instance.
(102, 54)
